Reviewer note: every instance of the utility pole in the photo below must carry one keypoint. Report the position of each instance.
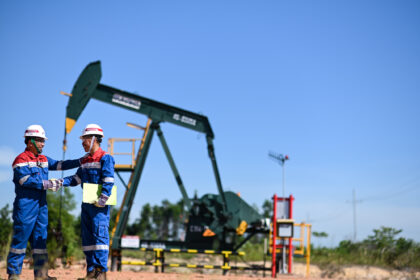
(354, 201)
(354, 216)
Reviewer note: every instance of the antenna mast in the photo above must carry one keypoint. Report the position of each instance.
(281, 160)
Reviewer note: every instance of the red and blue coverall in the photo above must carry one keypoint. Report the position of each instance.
(30, 210)
(95, 169)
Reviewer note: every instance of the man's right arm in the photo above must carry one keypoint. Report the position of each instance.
(64, 164)
(73, 180)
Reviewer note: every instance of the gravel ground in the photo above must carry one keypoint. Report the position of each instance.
(131, 275)
(141, 272)
(137, 272)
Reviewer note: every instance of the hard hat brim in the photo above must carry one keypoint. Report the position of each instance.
(24, 136)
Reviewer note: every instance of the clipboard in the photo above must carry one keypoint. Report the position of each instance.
(91, 193)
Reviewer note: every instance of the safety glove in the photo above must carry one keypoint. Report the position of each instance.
(101, 200)
(52, 184)
(58, 183)
(47, 184)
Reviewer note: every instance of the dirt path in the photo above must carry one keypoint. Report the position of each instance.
(137, 272)
(72, 274)
(67, 274)
(141, 272)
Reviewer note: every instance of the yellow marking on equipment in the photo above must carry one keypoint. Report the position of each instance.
(191, 265)
(208, 266)
(143, 249)
(158, 252)
(192, 251)
(240, 230)
(123, 166)
(133, 262)
(208, 251)
(241, 253)
(174, 265)
(157, 263)
(225, 267)
(176, 250)
(69, 124)
(208, 233)
(66, 93)
(299, 252)
(226, 253)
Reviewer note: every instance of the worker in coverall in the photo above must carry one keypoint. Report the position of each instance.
(30, 210)
(97, 167)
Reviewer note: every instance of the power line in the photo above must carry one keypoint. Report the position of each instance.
(354, 202)
(400, 192)
(331, 216)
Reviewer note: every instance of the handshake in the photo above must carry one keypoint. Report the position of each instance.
(52, 184)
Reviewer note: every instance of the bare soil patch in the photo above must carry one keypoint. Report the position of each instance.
(146, 272)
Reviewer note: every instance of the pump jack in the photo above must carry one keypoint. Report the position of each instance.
(224, 216)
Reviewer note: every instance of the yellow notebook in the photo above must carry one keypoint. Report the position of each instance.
(91, 193)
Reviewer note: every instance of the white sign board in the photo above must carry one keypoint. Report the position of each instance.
(283, 209)
(285, 230)
(130, 241)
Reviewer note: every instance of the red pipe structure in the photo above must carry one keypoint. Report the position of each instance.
(273, 251)
(274, 232)
(291, 198)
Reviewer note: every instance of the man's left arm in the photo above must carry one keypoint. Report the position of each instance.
(107, 165)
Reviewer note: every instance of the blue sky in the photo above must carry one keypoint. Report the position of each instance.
(333, 84)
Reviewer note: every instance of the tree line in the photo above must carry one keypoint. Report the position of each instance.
(383, 248)
(166, 222)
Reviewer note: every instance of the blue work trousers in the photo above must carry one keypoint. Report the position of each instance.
(95, 236)
(30, 221)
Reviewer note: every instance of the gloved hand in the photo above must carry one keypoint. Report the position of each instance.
(52, 184)
(58, 183)
(47, 184)
(101, 201)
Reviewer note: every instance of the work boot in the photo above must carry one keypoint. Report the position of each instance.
(13, 277)
(100, 275)
(89, 275)
(42, 274)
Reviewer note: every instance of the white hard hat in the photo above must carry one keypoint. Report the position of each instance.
(92, 129)
(35, 130)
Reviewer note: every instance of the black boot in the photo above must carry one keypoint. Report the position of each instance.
(43, 274)
(100, 275)
(89, 275)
